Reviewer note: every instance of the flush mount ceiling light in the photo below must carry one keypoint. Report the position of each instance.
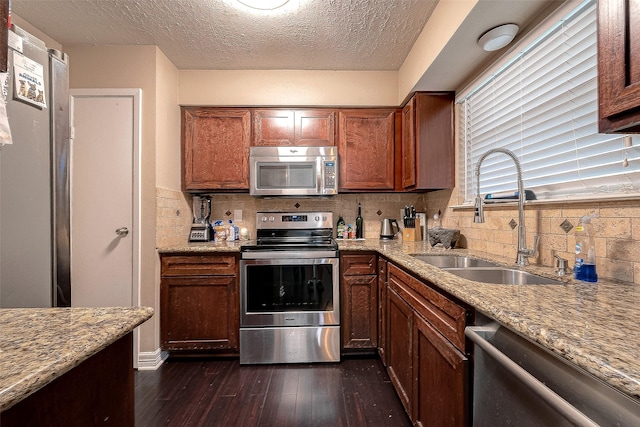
(498, 37)
(264, 4)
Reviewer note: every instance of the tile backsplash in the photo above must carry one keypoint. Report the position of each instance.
(173, 217)
(374, 207)
(617, 231)
(617, 228)
(174, 210)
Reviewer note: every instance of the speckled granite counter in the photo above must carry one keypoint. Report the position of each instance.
(591, 325)
(38, 345)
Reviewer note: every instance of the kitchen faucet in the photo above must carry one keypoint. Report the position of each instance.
(523, 253)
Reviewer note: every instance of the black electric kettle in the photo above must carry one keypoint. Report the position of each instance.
(388, 229)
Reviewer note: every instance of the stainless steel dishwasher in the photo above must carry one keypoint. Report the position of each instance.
(516, 382)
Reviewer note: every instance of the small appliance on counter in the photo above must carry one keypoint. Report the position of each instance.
(388, 229)
(201, 229)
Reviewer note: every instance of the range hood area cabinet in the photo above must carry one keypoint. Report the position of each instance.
(619, 66)
(428, 151)
(215, 149)
(274, 127)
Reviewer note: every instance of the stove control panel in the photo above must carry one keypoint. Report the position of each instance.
(290, 220)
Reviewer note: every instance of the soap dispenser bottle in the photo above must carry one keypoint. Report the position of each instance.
(585, 265)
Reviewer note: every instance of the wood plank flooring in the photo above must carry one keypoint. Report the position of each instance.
(208, 392)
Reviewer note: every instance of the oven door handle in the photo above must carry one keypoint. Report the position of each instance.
(288, 254)
(570, 412)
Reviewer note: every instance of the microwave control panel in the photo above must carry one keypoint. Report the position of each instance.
(330, 176)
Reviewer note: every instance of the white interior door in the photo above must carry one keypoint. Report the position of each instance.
(104, 197)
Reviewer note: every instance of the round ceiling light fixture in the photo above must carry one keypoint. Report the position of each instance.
(264, 4)
(498, 37)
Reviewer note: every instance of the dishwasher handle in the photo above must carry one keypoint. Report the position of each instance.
(545, 393)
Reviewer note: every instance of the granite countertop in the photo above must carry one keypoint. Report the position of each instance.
(38, 345)
(593, 325)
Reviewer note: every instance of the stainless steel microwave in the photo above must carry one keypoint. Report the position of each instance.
(293, 171)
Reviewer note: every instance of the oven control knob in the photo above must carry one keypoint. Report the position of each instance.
(264, 219)
(317, 218)
(272, 218)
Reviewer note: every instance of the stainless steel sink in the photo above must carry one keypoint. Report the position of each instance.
(502, 276)
(453, 261)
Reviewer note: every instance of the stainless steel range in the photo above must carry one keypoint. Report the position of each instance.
(289, 290)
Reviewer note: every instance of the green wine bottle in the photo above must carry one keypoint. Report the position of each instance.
(359, 224)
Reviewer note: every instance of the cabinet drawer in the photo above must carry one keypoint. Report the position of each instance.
(359, 264)
(445, 315)
(198, 265)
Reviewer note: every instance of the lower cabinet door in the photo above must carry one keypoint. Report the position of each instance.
(440, 394)
(399, 345)
(359, 300)
(199, 313)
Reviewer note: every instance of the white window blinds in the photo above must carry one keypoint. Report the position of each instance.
(543, 106)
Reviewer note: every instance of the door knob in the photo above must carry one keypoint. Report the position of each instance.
(122, 231)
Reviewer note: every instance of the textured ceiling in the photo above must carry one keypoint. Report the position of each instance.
(215, 34)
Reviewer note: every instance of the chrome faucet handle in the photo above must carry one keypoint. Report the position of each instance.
(536, 243)
(531, 252)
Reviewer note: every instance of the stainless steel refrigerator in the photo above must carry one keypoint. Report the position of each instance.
(34, 179)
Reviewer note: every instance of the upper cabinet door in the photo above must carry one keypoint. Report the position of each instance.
(428, 145)
(315, 128)
(302, 128)
(366, 149)
(619, 66)
(273, 127)
(215, 148)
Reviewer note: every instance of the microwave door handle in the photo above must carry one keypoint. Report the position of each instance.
(319, 176)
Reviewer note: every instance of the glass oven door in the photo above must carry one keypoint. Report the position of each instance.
(289, 292)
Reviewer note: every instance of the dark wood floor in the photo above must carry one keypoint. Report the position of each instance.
(195, 392)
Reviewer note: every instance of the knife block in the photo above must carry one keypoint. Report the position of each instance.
(412, 234)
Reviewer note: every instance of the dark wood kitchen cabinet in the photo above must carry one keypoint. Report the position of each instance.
(426, 353)
(366, 146)
(399, 347)
(359, 303)
(440, 370)
(98, 391)
(302, 128)
(428, 147)
(215, 149)
(199, 305)
(382, 309)
(619, 66)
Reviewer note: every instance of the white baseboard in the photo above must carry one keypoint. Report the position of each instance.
(151, 360)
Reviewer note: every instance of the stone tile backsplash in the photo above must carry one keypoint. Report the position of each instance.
(174, 229)
(387, 205)
(617, 231)
(617, 228)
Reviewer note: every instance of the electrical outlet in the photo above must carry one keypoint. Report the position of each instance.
(237, 215)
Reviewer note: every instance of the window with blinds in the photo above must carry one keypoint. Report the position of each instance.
(543, 106)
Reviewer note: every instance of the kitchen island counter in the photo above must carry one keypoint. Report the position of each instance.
(39, 345)
(593, 325)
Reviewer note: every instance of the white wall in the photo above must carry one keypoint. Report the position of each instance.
(167, 123)
(288, 87)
